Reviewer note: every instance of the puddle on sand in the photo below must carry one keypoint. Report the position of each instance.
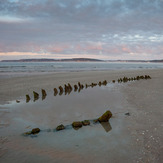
(89, 143)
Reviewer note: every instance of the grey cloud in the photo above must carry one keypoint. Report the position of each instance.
(78, 22)
(72, 8)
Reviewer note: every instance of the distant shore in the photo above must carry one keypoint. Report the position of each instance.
(79, 60)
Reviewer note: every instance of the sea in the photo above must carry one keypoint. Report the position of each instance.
(29, 67)
(118, 139)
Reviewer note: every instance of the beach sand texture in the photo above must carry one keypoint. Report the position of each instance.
(134, 138)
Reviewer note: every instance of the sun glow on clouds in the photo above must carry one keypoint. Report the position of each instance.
(19, 55)
(11, 19)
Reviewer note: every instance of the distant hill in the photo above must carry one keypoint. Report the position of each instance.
(145, 61)
(55, 60)
(79, 60)
(157, 61)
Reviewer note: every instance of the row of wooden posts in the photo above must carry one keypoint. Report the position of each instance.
(78, 87)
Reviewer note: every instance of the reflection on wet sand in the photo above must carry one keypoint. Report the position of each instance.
(106, 126)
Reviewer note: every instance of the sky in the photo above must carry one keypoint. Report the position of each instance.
(101, 29)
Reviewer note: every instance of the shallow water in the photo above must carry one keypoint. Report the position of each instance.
(28, 67)
(90, 143)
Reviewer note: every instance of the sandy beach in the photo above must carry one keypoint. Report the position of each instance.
(134, 138)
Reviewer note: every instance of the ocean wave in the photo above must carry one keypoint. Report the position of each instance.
(12, 66)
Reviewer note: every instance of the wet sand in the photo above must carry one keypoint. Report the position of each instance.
(134, 138)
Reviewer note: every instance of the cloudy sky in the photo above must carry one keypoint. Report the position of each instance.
(104, 29)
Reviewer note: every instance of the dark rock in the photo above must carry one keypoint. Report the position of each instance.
(113, 81)
(142, 77)
(104, 82)
(120, 80)
(138, 78)
(17, 101)
(55, 91)
(77, 124)
(36, 95)
(125, 79)
(70, 87)
(86, 122)
(65, 93)
(75, 88)
(128, 114)
(105, 117)
(61, 90)
(79, 84)
(43, 92)
(82, 86)
(60, 127)
(66, 88)
(35, 131)
(93, 85)
(27, 98)
(147, 77)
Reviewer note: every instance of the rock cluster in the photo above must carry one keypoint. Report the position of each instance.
(78, 87)
(76, 124)
(125, 79)
(68, 88)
